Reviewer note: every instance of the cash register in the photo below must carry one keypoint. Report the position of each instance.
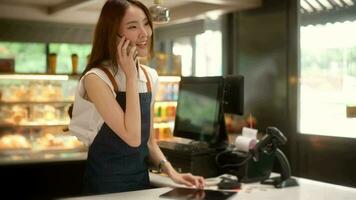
(200, 122)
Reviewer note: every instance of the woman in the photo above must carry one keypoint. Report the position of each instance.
(118, 124)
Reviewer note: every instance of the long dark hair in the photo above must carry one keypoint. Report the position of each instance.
(104, 45)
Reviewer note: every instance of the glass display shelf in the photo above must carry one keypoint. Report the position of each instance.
(33, 116)
(165, 106)
(35, 102)
(36, 124)
(42, 157)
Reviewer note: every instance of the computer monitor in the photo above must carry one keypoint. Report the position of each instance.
(234, 94)
(198, 114)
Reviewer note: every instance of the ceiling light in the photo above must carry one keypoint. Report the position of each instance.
(160, 15)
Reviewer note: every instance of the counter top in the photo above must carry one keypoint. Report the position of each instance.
(307, 190)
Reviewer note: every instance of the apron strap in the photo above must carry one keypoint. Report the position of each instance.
(111, 77)
(148, 83)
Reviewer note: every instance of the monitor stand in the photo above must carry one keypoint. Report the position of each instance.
(220, 142)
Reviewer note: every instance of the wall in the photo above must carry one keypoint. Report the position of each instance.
(29, 31)
(266, 51)
(261, 56)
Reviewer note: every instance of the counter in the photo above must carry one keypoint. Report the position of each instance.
(308, 190)
(49, 157)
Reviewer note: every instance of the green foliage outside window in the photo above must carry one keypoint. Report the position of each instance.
(29, 57)
(352, 65)
(64, 52)
(324, 60)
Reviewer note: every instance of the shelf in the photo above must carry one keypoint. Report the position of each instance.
(169, 79)
(44, 157)
(56, 77)
(166, 121)
(173, 102)
(167, 124)
(35, 102)
(35, 124)
(159, 121)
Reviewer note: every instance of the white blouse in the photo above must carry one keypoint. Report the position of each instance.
(86, 121)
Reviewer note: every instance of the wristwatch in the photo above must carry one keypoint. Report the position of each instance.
(161, 164)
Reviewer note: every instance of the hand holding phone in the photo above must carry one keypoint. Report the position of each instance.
(129, 47)
(126, 56)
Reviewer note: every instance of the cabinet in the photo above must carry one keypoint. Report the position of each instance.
(33, 114)
(165, 106)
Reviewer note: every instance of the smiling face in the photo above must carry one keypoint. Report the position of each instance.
(136, 28)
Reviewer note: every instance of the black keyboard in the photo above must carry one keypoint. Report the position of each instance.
(184, 148)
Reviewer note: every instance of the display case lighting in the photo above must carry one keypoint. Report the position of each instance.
(169, 78)
(162, 125)
(34, 77)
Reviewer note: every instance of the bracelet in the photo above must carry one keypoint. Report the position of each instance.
(161, 164)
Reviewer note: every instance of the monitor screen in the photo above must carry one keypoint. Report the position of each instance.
(198, 108)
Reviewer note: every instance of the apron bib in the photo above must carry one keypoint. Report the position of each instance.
(113, 165)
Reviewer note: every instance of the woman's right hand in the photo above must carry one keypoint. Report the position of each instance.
(126, 57)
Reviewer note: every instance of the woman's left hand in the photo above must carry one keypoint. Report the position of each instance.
(188, 179)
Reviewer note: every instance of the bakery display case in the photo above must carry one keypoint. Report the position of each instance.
(34, 118)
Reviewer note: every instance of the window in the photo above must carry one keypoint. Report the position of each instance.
(208, 60)
(64, 52)
(197, 44)
(29, 57)
(208, 54)
(328, 79)
(183, 47)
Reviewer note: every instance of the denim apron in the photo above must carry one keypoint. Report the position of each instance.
(113, 165)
